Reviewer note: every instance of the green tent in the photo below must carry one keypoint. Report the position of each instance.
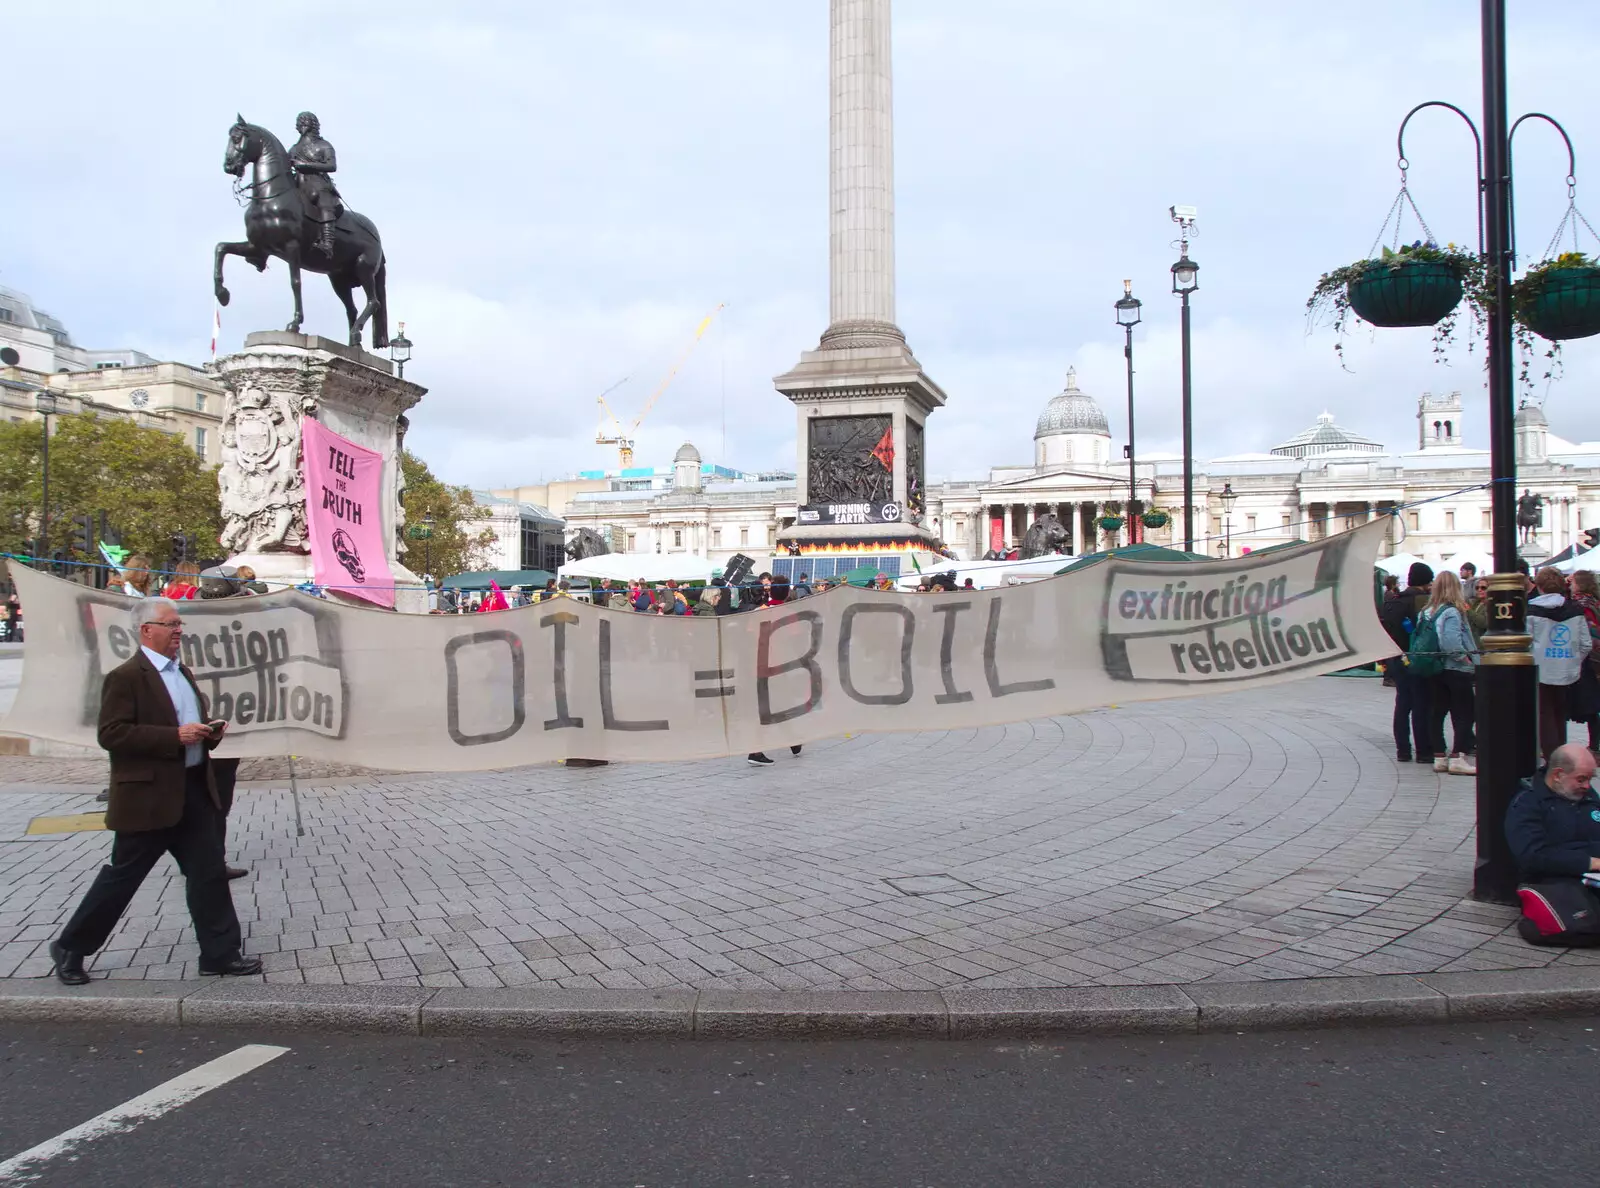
(1143, 551)
(861, 575)
(529, 579)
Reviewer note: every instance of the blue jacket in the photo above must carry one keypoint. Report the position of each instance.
(1551, 835)
(1455, 640)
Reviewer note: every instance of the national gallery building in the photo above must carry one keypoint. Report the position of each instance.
(1321, 481)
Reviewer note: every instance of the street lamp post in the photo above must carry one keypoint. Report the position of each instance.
(1127, 307)
(1506, 677)
(400, 350)
(1185, 280)
(427, 544)
(45, 402)
(1229, 498)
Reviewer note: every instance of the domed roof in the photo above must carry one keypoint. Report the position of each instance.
(1071, 411)
(1531, 414)
(1327, 438)
(686, 453)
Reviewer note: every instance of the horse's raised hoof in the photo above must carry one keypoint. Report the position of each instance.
(292, 328)
(222, 294)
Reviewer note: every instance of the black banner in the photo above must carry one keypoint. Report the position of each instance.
(850, 513)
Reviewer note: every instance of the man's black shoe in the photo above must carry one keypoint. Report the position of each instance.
(236, 966)
(760, 759)
(794, 750)
(236, 872)
(1428, 759)
(67, 966)
(1402, 756)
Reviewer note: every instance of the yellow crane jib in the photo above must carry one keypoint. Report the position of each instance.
(622, 438)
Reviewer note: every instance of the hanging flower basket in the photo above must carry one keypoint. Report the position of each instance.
(1421, 284)
(1155, 519)
(1407, 293)
(1111, 523)
(1559, 299)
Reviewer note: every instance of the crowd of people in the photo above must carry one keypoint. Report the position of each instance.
(670, 597)
(1437, 621)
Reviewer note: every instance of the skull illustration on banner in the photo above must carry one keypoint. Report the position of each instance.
(345, 517)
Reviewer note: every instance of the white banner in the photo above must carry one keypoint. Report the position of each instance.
(297, 675)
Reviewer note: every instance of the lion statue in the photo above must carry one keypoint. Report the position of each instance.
(1048, 535)
(586, 542)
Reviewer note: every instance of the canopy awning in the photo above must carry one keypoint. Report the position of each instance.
(504, 578)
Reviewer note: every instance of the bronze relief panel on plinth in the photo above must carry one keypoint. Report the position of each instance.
(850, 459)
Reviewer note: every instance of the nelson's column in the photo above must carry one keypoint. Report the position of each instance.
(861, 397)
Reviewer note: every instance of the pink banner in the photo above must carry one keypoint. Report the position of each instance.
(345, 515)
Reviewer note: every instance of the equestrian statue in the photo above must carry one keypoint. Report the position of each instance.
(1530, 515)
(295, 213)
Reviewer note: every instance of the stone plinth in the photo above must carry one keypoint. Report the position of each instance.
(273, 385)
(844, 402)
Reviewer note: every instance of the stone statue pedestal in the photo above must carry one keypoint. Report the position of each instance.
(273, 385)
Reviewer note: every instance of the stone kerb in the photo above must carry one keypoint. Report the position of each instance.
(707, 1014)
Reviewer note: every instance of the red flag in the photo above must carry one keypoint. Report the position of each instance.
(884, 450)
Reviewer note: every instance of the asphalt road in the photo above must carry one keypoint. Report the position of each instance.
(1451, 1105)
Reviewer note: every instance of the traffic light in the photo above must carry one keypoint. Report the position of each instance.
(180, 547)
(1591, 538)
(83, 533)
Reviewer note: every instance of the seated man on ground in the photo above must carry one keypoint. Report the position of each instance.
(1553, 824)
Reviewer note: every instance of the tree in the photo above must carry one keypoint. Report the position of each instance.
(150, 485)
(461, 538)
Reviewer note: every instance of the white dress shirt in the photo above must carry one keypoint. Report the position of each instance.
(183, 700)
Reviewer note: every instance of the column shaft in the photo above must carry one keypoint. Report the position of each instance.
(861, 167)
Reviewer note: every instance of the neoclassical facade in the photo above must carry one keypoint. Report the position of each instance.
(36, 351)
(1321, 481)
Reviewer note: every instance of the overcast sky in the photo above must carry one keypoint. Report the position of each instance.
(565, 190)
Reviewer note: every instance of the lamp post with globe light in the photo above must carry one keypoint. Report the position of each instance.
(1127, 308)
(1229, 497)
(1185, 280)
(45, 401)
(400, 351)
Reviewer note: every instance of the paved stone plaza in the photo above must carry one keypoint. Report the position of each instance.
(1258, 835)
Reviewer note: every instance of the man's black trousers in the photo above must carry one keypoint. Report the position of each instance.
(196, 843)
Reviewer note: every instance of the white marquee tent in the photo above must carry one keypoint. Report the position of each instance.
(650, 567)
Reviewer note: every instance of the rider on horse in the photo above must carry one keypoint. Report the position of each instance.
(314, 160)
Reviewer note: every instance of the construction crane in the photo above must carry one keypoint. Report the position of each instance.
(611, 431)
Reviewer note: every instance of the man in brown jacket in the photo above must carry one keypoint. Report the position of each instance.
(163, 800)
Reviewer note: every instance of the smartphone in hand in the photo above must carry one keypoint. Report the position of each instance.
(216, 726)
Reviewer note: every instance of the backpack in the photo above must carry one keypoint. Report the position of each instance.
(1423, 657)
(1562, 913)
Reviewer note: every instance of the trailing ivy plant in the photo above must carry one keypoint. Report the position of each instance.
(1330, 300)
(1524, 294)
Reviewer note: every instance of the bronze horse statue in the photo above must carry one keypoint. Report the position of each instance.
(275, 224)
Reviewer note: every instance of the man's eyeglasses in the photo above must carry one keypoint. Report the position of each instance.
(169, 624)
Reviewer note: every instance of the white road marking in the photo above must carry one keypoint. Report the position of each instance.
(164, 1098)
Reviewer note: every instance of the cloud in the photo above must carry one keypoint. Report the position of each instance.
(564, 191)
